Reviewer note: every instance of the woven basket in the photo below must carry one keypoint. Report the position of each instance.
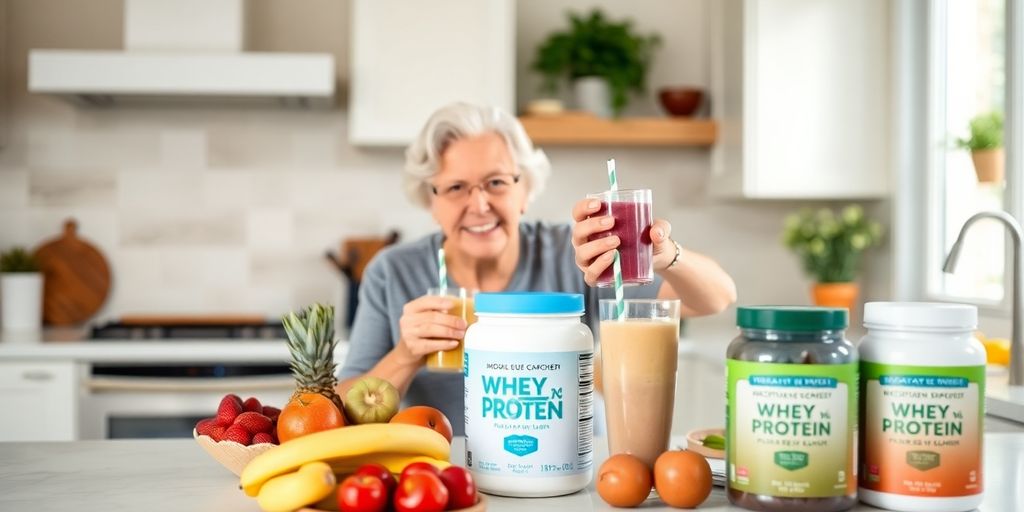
(230, 454)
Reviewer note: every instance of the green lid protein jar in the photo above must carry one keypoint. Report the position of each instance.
(792, 410)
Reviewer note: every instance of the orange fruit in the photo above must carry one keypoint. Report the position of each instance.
(426, 417)
(306, 413)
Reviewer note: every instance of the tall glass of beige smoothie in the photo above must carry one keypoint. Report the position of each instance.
(639, 354)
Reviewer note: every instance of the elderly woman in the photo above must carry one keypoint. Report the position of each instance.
(476, 171)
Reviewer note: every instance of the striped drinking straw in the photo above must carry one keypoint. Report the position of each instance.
(442, 271)
(620, 303)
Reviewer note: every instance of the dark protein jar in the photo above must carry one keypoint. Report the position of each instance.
(792, 410)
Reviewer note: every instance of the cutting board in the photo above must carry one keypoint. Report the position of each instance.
(76, 278)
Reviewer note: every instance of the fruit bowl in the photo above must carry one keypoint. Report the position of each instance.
(480, 506)
(232, 455)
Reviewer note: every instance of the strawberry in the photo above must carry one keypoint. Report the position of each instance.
(254, 422)
(217, 432)
(230, 407)
(251, 404)
(238, 434)
(204, 426)
(271, 412)
(262, 437)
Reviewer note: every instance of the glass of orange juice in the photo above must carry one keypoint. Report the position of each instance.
(451, 360)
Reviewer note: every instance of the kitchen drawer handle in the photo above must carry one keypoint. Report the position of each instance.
(37, 375)
(226, 385)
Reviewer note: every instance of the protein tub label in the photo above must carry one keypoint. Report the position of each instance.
(922, 429)
(792, 429)
(529, 414)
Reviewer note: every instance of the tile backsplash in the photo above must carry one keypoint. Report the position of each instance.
(231, 210)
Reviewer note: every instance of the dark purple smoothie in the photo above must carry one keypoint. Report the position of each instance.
(633, 227)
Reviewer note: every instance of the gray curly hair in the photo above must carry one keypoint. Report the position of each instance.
(460, 120)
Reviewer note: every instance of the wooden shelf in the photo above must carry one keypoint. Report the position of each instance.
(581, 129)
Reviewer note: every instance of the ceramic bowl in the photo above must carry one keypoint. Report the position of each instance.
(680, 101)
(695, 438)
(230, 454)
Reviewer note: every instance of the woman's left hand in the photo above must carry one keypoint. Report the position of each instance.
(593, 257)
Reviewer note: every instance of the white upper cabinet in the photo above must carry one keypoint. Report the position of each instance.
(801, 91)
(410, 58)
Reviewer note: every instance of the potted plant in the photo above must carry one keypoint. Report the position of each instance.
(985, 143)
(603, 59)
(830, 247)
(21, 291)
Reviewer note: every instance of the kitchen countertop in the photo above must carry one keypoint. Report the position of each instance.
(176, 475)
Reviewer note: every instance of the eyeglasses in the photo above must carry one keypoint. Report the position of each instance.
(495, 186)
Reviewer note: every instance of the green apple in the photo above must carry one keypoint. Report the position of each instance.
(371, 400)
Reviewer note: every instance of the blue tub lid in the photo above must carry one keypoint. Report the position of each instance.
(529, 303)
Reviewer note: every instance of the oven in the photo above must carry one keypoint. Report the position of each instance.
(165, 399)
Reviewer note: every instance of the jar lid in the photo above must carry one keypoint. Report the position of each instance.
(921, 315)
(529, 303)
(792, 318)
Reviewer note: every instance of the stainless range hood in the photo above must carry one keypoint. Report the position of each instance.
(185, 51)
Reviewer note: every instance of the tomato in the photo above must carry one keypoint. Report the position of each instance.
(461, 488)
(380, 472)
(418, 467)
(362, 493)
(682, 478)
(426, 417)
(306, 413)
(623, 481)
(421, 492)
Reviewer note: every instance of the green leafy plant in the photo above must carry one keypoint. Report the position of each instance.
(830, 246)
(18, 259)
(986, 132)
(596, 46)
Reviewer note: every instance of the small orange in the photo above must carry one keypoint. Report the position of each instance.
(624, 481)
(306, 413)
(682, 478)
(425, 417)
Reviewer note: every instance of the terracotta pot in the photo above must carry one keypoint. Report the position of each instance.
(989, 165)
(835, 295)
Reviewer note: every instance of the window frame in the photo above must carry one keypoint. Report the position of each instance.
(919, 120)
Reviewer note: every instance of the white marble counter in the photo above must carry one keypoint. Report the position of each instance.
(177, 475)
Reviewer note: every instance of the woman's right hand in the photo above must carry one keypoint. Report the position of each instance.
(426, 327)
(592, 256)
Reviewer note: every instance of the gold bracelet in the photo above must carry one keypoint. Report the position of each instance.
(679, 250)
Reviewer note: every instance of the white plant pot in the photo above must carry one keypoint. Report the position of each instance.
(593, 94)
(21, 301)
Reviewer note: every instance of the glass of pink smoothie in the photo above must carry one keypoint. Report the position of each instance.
(633, 218)
(639, 355)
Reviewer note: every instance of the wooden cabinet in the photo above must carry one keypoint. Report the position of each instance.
(800, 89)
(410, 58)
(39, 401)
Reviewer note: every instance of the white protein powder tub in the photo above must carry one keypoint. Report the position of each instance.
(922, 381)
(529, 371)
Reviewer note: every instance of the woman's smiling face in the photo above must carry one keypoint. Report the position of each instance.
(479, 196)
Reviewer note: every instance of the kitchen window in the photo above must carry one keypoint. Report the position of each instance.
(960, 54)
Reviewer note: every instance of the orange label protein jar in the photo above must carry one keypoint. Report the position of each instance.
(792, 411)
(923, 392)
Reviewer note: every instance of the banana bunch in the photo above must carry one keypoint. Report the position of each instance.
(291, 491)
(394, 445)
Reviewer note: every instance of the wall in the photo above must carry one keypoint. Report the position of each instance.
(231, 209)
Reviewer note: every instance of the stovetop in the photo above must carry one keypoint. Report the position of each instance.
(157, 332)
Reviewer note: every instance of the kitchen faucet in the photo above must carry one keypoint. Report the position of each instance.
(1016, 339)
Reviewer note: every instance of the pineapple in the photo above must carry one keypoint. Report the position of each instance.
(315, 405)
